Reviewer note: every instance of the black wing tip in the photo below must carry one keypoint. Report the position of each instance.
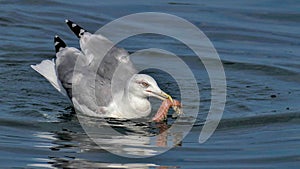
(58, 43)
(76, 29)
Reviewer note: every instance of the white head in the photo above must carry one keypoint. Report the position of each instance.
(144, 86)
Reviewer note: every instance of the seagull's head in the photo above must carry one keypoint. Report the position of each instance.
(142, 85)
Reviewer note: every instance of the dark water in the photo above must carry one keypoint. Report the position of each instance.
(258, 42)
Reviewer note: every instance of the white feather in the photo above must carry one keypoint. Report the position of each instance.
(47, 69)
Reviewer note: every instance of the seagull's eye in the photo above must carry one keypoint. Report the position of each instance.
(145, 84)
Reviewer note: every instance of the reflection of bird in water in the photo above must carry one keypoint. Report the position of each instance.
(74, 72)
(134, 134)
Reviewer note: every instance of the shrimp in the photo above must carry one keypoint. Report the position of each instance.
(164, 108)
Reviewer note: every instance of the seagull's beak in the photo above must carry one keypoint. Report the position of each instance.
(160, 95)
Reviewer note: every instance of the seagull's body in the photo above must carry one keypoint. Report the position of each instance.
(96, 89)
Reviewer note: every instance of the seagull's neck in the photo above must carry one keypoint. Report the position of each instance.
(138, 106)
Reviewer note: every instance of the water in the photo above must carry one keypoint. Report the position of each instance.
(258, 42)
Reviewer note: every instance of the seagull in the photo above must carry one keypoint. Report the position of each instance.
(73, 73)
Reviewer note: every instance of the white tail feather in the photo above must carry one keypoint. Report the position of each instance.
(47, 69)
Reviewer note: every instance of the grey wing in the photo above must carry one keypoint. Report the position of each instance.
(91, 90)
(121, 72)
(65, 63)
(82, 84)
(108, 61)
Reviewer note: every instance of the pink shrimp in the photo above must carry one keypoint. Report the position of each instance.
(164, 108)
